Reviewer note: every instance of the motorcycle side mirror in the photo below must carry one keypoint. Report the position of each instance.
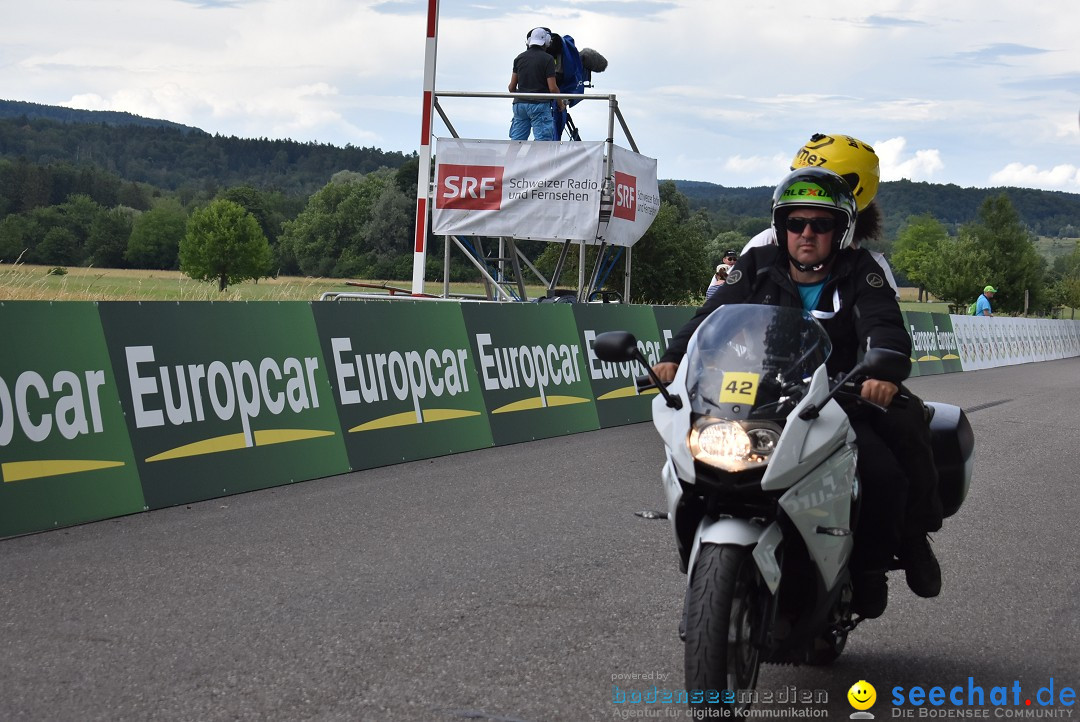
(877, 363)
(620, 347)
(886, 363)
(616, 347)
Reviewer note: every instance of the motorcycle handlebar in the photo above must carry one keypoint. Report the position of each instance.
(853, 388)
(644, 383)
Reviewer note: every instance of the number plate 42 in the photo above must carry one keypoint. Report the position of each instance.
(739, 387)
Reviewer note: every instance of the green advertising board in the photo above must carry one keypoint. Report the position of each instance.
(222, 397)
(924, 351)
(948, 346)
(531, 370)
(64, 451)
(404, 380)
(617, 399)
(669, 319)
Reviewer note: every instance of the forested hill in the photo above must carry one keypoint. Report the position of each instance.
(172, 156)
(175, 157)
(31, 111)
(1046, 213)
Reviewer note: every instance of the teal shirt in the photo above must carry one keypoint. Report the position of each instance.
(811, 293)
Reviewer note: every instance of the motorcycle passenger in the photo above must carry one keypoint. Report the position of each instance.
(817, 269)
(905, 429)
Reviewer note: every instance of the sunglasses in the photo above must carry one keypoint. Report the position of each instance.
(817, 225)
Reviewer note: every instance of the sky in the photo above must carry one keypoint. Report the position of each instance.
(979, 93)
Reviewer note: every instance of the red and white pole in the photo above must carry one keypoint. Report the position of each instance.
(423, 176)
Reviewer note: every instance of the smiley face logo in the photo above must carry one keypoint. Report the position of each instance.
(862, 695)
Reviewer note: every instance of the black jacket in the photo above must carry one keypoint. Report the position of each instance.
(868, 316)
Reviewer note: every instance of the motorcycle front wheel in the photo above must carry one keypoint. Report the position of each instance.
(722, 621)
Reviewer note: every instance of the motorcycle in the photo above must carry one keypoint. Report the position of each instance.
(762, 491)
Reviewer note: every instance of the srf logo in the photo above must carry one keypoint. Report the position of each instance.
(625, 196)
(469, 187)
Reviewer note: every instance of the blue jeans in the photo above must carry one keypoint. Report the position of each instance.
(535, 116)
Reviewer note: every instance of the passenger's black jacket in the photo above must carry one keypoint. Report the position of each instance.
(868, 316)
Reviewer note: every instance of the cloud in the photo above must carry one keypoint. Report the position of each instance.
(623, 9)
(995, 54)
(215, 4)
(884, 21)
(1067, 82)
(897, 164)
(774, 166)
(1063, 177)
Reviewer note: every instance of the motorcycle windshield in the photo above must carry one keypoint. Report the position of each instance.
(748, 358)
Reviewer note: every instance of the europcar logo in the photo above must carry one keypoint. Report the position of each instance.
(28, 410)
(625, 196)
(234, 393)
(536, 370)
(409, 376)
(469, 187)
(620, 372)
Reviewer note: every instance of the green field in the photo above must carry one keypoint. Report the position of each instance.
(21, 282)
(1054, 248)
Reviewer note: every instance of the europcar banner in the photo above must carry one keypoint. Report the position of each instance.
(531, 369)
(617, 398)
(544, 191)
(404, 380)
(64, 451)
(669, 319)
(222, 397)
(934, 347)
(637, 197)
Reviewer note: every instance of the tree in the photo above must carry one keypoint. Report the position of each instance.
(724, 241)
(223, 242)
(16, 238)
(917, 251)
(108, 238)
(1066, 289)
(1013, 265)
(155, 237)
(669, 260)
(59, 246)
(958, 274)
(331, 236)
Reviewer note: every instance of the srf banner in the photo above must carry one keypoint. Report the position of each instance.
(637, 197)
(545, 191)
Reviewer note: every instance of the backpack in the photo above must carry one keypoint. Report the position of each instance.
(972, 307)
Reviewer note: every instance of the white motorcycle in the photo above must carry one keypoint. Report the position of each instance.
(763, 494)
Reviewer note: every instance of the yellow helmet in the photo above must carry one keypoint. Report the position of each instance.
(848, 157)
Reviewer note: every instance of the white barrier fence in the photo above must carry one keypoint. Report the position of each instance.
(986, 342)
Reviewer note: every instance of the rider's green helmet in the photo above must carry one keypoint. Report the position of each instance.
(820, 188)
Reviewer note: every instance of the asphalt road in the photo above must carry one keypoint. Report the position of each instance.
(515, 584)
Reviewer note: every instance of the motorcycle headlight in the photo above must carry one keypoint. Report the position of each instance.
(733, 445)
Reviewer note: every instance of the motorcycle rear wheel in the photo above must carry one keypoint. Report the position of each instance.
(723, 616)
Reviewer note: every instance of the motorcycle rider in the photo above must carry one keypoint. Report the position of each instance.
(817, 269)
(905, 428)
